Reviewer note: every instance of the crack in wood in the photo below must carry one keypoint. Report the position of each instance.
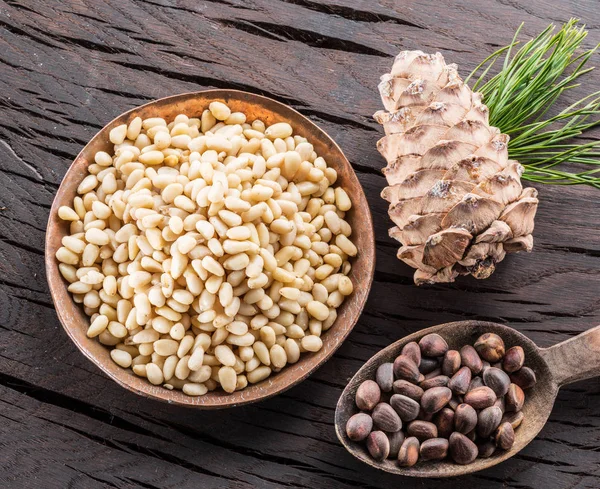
(342, 121)
(47, 305)
(120, 93)
(17, 5)
(133, 448)
(20, 286)
(571, 249)
(97, 479)
(290, 33)
(41, 205)
(139, 483)
(523, 301)
(21, 32)
(84, 43)
(579, 446)
(309, 403)
(21, 160)
(54, 151)
(20, 222)
(22, 246)
(6, 328)
(69, 403)
(351, 13)
(31, 179)
(208, 81)
(25, 110)
(279, 482)
(187, 56)
(251, 452)
(185, 9)
(543, 461)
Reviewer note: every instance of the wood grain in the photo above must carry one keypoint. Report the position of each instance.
(69, 67)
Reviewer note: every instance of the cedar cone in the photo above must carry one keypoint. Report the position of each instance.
(455, 197)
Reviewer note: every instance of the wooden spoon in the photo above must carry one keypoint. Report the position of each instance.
(575, 359)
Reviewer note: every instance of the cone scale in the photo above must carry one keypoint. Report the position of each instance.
(456, 199)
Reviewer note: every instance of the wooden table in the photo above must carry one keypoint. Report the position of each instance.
(68, 67)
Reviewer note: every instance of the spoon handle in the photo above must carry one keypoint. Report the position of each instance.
(576, 359)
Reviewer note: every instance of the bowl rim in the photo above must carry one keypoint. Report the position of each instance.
(262, 390)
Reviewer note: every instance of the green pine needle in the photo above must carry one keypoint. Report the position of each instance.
(528, 86)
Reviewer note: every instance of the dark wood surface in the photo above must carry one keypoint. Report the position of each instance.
(68, 67)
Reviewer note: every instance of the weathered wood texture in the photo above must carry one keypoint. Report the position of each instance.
(68, 67)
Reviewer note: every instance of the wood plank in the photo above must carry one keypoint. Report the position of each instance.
(69, 67)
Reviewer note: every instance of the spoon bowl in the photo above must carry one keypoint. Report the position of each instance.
(575, 359)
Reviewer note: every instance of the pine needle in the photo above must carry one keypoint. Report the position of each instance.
(530, 84)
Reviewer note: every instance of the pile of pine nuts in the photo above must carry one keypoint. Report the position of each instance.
(208, 251)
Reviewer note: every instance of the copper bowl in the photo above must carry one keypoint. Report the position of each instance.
(74, 320)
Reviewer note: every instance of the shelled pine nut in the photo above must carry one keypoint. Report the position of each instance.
(208, 252)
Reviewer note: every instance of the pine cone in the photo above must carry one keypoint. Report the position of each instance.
(455, 197)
